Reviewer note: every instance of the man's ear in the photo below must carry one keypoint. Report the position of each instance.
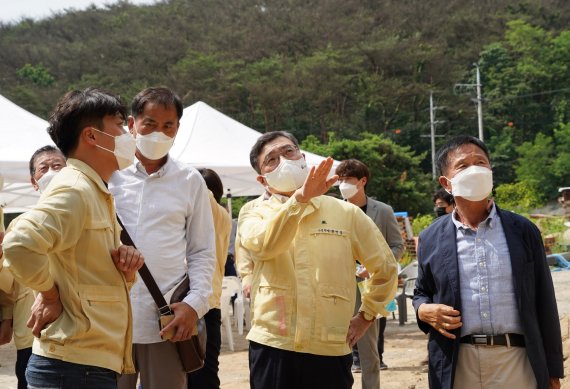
(34, 184)
(444, 182)
(131, 125)
(364, 181)
(261, 180)
(88, 136)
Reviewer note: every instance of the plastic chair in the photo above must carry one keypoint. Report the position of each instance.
(225, 302)
(247, 312)
(407, 292)
(231, 286)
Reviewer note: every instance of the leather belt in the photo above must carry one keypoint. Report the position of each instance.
(513, 340)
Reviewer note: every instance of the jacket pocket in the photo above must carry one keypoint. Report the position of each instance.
(106, 309)
(272, 309)
(334, 311)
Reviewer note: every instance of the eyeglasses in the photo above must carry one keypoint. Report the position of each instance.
(273, 159)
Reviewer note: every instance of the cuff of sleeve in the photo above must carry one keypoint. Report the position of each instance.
(382, 312)
(294, 207)
(247, 280)
(194, 302)
(44, 287)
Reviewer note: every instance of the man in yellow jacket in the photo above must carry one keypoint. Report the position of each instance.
(67, 249)
(16, 300)
(304, 247)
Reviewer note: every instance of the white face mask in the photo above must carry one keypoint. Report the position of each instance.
(347, 190)
(474, 183)
(125, 148)
(45, 180)
(288, 176)
(154, 145)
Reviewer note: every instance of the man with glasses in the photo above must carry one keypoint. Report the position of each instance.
(45, 163)
(304, 247)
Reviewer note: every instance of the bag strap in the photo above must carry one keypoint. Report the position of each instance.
(146, 276)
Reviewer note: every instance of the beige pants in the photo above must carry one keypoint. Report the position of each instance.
(159, 367)
(493, 367)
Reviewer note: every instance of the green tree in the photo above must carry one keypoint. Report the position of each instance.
(37, 74)
(518, 197)
(396, 177)
(544, 164)
(561, 163)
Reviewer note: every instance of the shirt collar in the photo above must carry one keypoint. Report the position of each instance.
(315, 201)
(137, 166)
(489, 220)
(84, 168)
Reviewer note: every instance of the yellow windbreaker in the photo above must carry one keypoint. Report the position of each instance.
(303, 288)
(66, 241)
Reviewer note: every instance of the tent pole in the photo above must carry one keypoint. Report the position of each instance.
(229, 197)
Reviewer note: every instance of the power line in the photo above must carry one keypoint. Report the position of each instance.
(547, 92)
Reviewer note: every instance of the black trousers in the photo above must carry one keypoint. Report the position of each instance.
(22, 357)
(381, 329)
(274, 368)
(207, 376)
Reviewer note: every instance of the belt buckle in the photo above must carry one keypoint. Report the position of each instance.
(479, 339)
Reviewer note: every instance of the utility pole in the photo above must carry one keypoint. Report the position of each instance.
(479, 104)
(463, 87)
(432, 125)
(432, 135)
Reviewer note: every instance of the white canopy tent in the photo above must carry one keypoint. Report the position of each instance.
(208, 138)
(21, 133)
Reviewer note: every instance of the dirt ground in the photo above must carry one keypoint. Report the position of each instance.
(405, 348)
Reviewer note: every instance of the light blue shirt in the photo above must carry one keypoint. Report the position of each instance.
(485, 278)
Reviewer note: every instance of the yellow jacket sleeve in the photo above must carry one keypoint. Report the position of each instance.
(269, 229)
(55, 224)
(1, 219)
(7, 301)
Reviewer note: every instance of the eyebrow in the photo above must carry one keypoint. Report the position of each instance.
(478, 156)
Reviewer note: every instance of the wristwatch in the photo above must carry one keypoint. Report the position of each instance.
(366, 316)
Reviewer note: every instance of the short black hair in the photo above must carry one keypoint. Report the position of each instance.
(262, 141)
(158, 95)
(213, 182)
(444, 195)
(79, 109)
(442, 157)
(45, 149)
(353, 168)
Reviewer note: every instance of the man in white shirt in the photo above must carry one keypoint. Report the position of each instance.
(165, 208)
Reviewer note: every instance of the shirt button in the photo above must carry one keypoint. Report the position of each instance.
(485, 314)
(483, 289)
(52, 348)
(482, 264)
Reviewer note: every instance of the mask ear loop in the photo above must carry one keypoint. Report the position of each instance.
(448, 191)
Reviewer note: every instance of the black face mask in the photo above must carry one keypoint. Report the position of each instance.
(440, 211)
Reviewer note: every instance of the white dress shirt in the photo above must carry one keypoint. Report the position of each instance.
(168, 216)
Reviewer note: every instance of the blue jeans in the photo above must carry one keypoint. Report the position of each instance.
(44, 373)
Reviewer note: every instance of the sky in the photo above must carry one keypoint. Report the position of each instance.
(14, 10)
